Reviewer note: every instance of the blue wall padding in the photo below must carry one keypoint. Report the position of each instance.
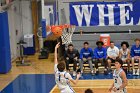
(43, 28)
(5, 54)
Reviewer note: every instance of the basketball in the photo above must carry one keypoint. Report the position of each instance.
(57, 31)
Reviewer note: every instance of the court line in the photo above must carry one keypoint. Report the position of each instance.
(53, 89)
(97, 86)
(91, 88)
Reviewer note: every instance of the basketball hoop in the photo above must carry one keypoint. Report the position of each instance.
(67, 34)
(63, 31)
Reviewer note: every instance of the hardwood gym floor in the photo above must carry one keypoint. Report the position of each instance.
(46, 67)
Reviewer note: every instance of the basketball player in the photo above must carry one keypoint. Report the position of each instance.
(88, 91)
(124, 53)
(120, 80)
(63, 78)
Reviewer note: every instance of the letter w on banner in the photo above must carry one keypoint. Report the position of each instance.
(105, 13)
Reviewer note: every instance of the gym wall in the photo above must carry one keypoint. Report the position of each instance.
(20, 23)
(92, 33)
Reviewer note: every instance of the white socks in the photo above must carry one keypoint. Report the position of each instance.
(136, 72)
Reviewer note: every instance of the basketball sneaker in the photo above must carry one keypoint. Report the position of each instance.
(138, 72)
(134, 72)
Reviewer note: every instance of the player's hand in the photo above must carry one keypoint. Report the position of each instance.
(100, 58)
(67, 58)
(84, 59)
(57, 45)
(78, 75)
(125, 61)
(76, 58)
(114, 58)
(136, 57)
(89, 58)
(110, 89)
(111, 57)
(114, 89)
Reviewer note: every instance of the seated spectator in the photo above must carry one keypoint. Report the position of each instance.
(100, 56)
(86, 55)
(112, 54)
(88, 91)
(124, 53)
(135, 54)
(71, 56)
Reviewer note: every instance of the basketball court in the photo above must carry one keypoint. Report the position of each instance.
(41, 79)
(30, 29)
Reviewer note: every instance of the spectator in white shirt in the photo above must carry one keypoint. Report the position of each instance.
(112, 54)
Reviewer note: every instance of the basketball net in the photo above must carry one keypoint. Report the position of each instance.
(67, 34)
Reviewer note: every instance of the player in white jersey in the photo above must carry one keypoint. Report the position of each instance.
(124, 54)
(120, 80)
(63, 78)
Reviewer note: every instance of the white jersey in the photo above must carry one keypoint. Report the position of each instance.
(124, 53)
(62, 81)
(113, 51)
(118, 81)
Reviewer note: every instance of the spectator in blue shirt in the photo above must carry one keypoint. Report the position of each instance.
(135, 54)
(86, 55)
(100, 56)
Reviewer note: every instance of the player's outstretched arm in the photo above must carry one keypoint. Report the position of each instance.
(124, 79)
(76, 80)
(55, 52)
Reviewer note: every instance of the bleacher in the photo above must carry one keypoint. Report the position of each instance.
(101, 68)
(92, 38)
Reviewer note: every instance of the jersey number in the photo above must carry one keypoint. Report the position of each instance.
(115, 80)
(61, 80)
